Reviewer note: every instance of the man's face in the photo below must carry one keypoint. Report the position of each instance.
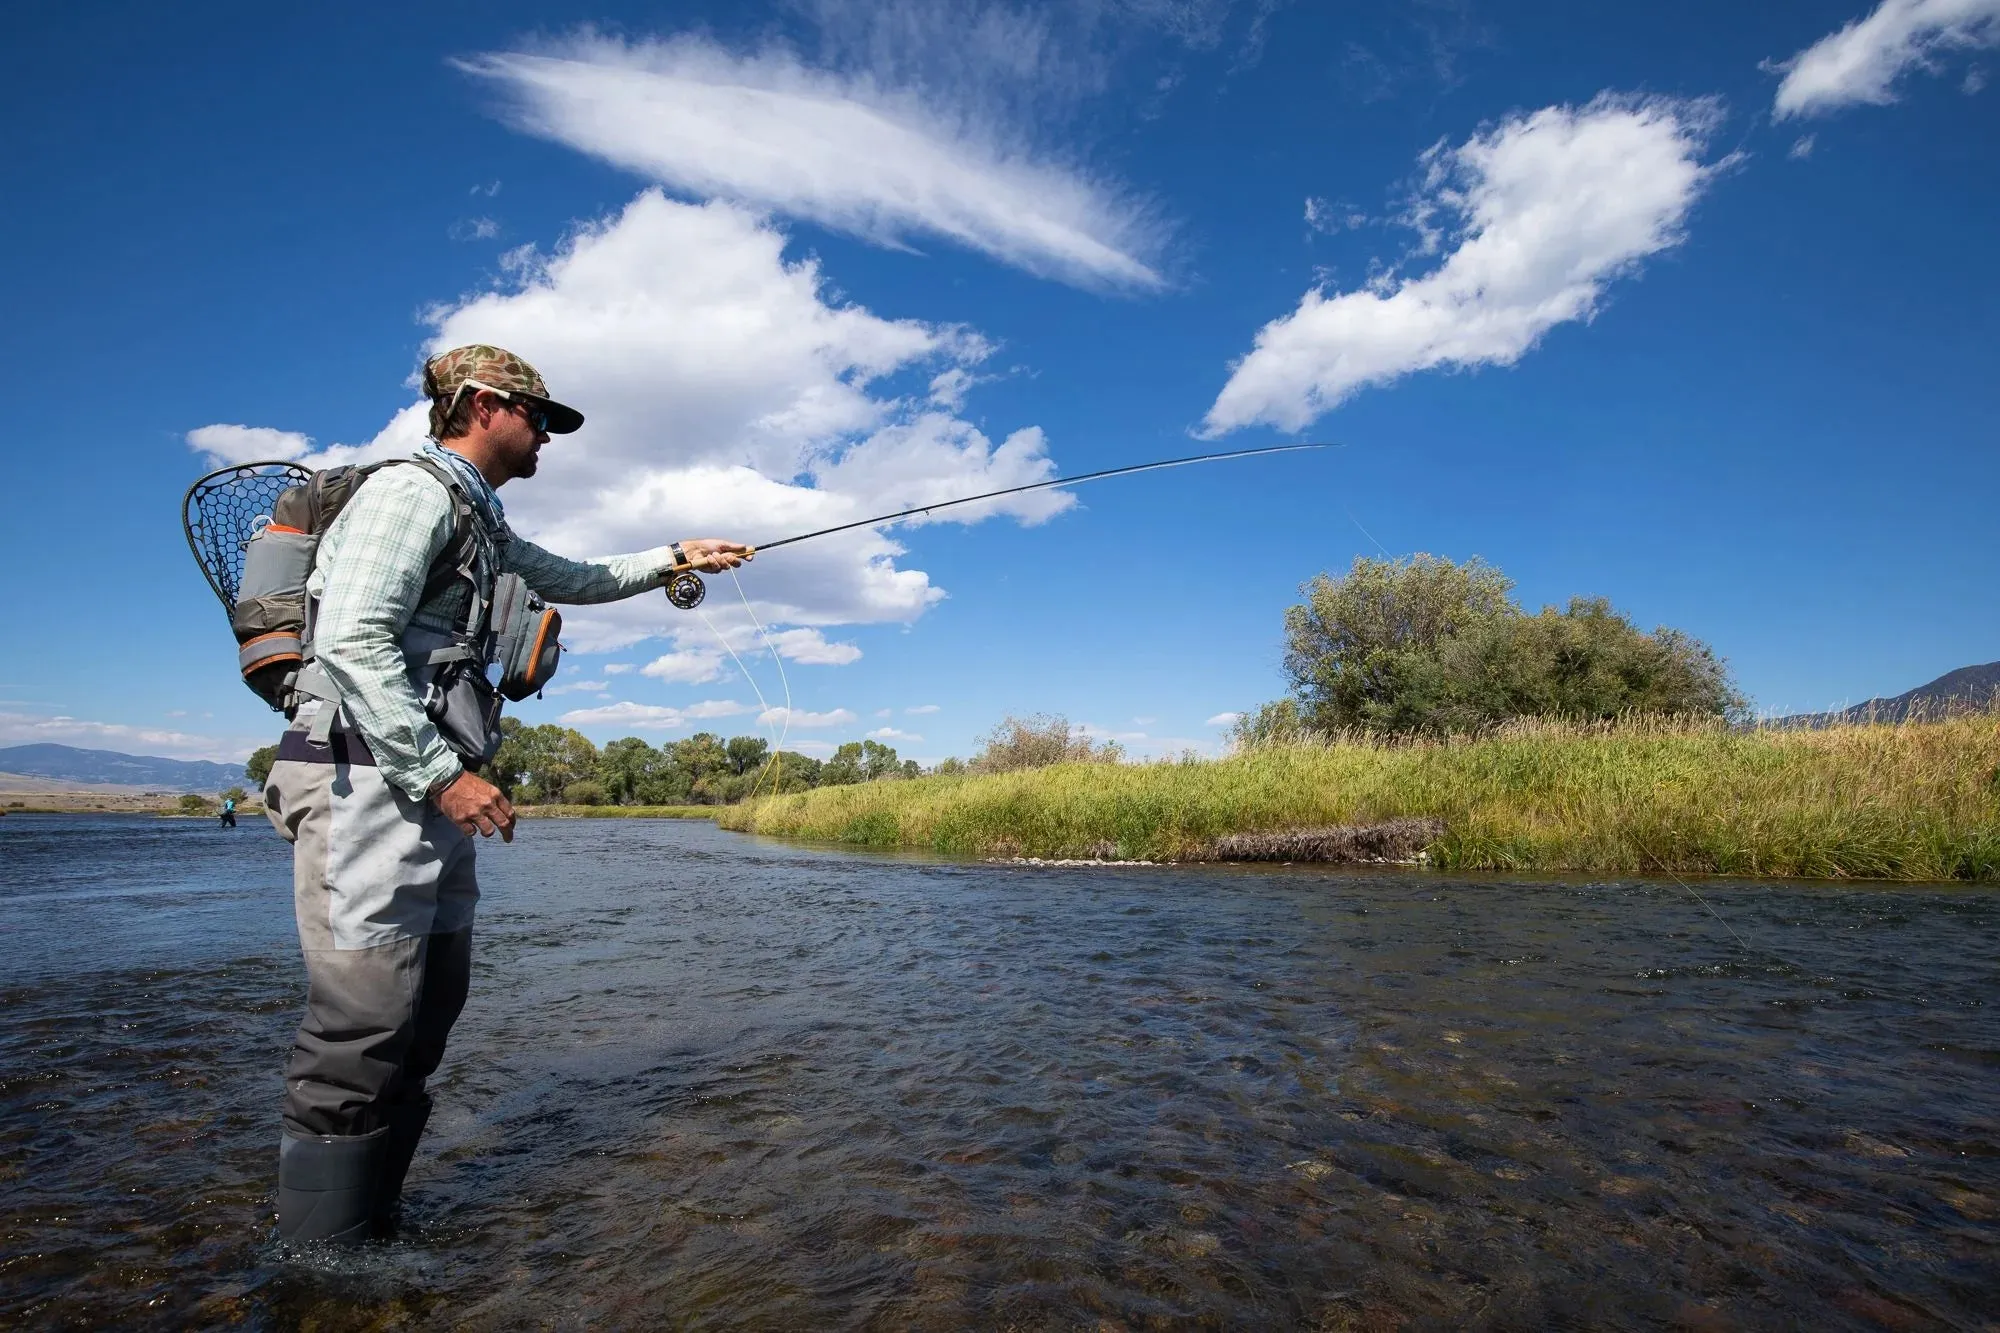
(512, 433)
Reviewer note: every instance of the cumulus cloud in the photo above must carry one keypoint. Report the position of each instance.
(1540, 213)
(652, 717)
(617, 668)
(685, 667)
(809, 647)
(224, 445)
(891, 734)
(1223, 720)
(727, 395)
(848, 151)
(798, 717)
(33, 729)
(1860, 64)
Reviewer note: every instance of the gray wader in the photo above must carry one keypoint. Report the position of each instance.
(384, 892)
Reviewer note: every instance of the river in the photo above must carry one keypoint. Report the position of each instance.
(709, 1081)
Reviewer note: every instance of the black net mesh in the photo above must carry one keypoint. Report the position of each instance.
(225, 509)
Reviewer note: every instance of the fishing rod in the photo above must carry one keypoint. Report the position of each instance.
(685, 588)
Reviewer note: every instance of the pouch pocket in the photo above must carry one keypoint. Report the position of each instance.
(467, 714)
(526, 634)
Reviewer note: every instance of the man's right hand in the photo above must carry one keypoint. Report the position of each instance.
(477, 806)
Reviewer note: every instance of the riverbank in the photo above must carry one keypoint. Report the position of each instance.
(1918, 802)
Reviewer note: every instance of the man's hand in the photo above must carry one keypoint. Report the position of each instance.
(477, 806)
(712, 555)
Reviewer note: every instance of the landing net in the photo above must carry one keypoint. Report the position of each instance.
(225, 509)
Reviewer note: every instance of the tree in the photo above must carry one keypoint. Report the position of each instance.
(537, 764)
(236, 794)
(746, 754)
(844, 768)
(635, 773)
(192, 804)
(879, 761)
(257, 768)
(1036, 742)
(705, 760)
(1426, 646)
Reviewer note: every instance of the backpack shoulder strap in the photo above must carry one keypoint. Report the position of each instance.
(460, 554)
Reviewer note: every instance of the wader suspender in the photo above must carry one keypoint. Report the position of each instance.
(459, 560)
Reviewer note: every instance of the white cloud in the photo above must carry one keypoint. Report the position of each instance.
(891, 734)
(850, 152)
(1222, 720)
(1859, 65)
(579, 687)
(795, 717)
(1802, 147)
(651, 717)
(685, 667)
(474, 229)
(727, 396)
(617, 668)
(487, 190)
(921, 709)
(1551, 208)
(809, 647)
(247, 444)
(32, 729)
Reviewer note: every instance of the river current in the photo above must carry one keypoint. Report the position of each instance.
(709, 1081)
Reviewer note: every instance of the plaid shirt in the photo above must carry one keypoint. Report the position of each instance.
(369, 579)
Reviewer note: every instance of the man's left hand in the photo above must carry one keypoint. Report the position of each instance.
(712, 555)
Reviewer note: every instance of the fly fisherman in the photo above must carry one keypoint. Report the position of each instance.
(374, 783)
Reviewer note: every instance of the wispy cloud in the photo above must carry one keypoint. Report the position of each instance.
(891, 734)
(474, 229)
(652, 717)
(844, 150)
(32, 729)
(1223, 720)
(798, 717)
(1545, 210)
(1860, 64)
(921, 709)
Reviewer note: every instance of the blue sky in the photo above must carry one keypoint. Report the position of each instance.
(1692, 307)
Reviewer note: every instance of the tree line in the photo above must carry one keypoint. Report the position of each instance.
(552, 764)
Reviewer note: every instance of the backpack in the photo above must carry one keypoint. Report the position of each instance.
(270, 612)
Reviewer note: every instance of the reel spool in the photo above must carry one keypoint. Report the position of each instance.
(685, 590)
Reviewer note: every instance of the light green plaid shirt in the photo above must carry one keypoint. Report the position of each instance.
(369, 579)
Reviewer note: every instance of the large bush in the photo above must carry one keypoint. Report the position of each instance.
(1427, 646)
(1037, 742)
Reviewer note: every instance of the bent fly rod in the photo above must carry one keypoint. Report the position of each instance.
(685, 588)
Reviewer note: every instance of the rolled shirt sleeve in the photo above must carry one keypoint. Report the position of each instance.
(369, 579)
(578, 582)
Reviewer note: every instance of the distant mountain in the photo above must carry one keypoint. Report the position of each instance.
(1965, 688)
(70, 764)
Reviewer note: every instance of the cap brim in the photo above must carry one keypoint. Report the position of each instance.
(563, 419)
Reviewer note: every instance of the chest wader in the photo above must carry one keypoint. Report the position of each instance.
(384, 892)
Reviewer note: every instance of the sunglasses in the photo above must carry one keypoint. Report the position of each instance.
(538, 417)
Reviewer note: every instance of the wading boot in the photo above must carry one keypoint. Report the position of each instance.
(406, 1126)
(327, 1185)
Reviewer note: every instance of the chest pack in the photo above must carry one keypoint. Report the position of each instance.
(505, 647)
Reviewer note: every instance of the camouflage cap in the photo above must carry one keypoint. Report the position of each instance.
(493, 368)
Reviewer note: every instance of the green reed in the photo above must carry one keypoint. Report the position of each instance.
(1918, 801)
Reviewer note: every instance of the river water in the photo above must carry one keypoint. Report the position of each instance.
(708, 1081)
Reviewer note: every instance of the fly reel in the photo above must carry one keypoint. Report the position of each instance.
(685, 590)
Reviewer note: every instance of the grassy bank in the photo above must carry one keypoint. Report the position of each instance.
(1916, 802)
(616, 811)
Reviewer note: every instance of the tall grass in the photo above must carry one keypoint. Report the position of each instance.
(1641, 796)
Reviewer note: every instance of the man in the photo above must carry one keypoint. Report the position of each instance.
(229, 812)
(379, 805)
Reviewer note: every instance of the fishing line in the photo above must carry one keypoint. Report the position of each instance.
(764, 707)
(778, 660)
